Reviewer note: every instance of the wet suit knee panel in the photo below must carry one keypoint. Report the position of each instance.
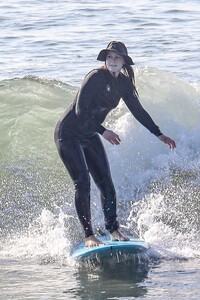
(82, 202)
(82, 186)
(108, 196)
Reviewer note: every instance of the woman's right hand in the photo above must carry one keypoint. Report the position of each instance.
(111, 137)
(165, 139)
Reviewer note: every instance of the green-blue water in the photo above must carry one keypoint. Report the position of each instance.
(46, 49)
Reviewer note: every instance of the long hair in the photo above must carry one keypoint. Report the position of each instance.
(129, 72)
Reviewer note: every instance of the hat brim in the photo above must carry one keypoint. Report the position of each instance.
(103, 53)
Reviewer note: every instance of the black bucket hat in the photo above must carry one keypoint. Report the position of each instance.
(117, 47)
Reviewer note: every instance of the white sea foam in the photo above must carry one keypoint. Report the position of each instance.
(158, 189)
(144, 169)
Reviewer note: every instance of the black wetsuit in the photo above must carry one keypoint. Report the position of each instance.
(80, 147)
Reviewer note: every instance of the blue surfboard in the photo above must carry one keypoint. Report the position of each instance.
(109, 249)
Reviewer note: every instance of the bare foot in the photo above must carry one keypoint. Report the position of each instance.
(118, 236)
(92, 241)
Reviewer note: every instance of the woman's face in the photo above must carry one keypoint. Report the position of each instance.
(114, 62)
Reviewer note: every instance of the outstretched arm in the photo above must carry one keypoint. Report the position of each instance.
(165, 139)
(144, 118)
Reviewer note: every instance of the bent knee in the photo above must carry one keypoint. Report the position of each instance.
(106, 186)
(82, 183)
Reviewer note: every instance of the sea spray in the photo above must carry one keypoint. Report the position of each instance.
(35, 184)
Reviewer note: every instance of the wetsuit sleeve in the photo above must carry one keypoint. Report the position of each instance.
(85, 101)
(139, 112)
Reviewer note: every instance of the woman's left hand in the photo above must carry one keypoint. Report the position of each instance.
(111, 137)
(165, 139)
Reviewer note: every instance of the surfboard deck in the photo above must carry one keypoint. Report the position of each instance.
(109, 249)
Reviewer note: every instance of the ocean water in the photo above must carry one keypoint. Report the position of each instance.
(46, 49)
